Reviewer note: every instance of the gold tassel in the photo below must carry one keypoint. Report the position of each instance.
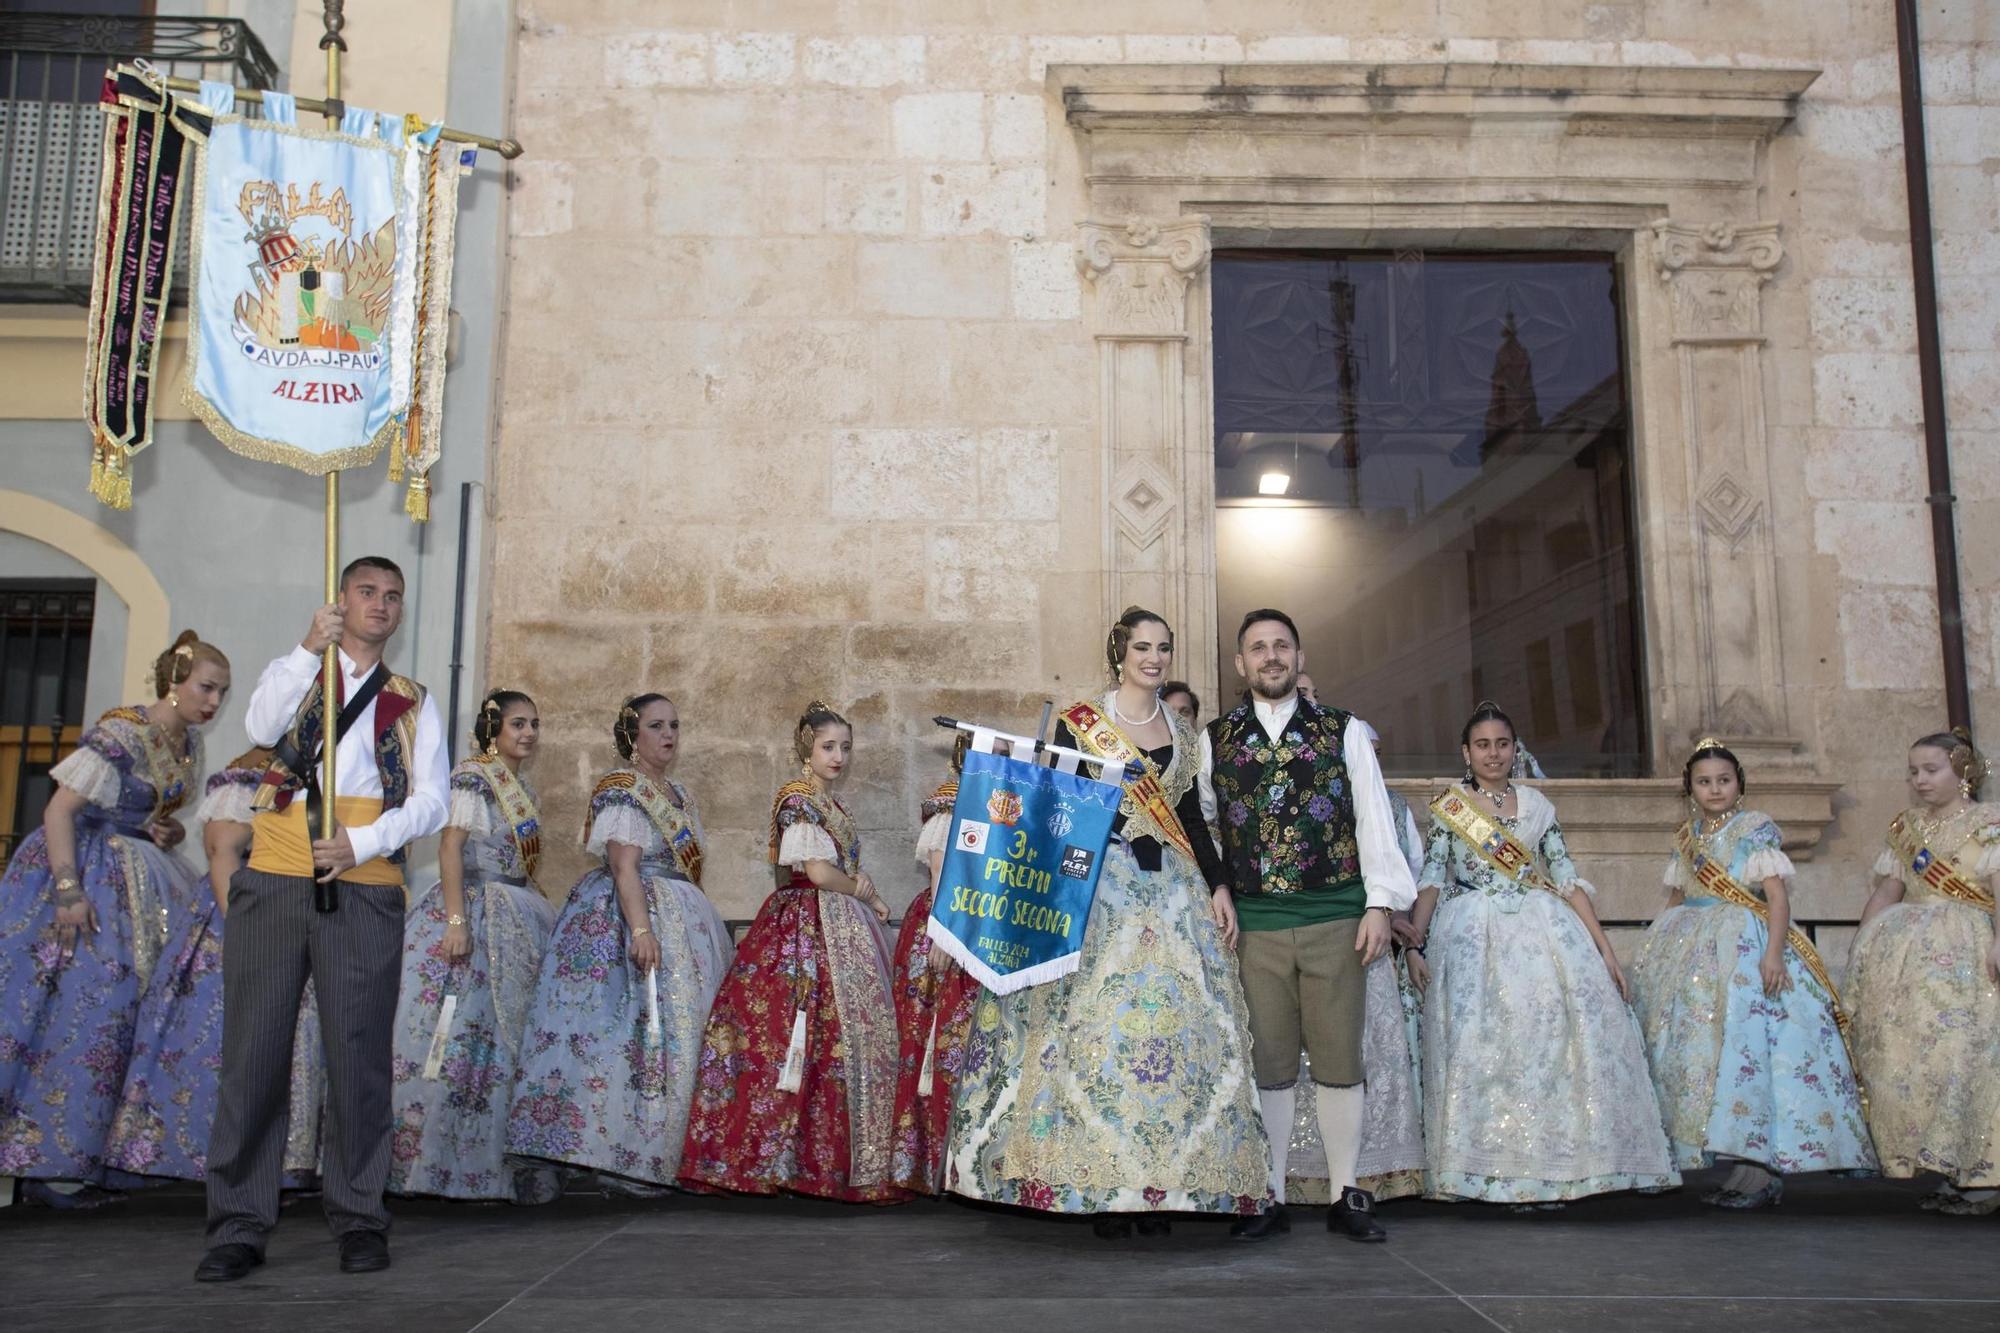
(395, 462)
(97, 469)
(117, 478)
(795, 1055)
(417, 504)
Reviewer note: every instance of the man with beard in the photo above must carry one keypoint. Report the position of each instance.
(1310, 845)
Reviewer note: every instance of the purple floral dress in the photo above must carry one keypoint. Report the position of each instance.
(172, 1084)
(450, 1134)
(66, 1024)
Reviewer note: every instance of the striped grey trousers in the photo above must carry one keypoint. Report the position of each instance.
(273, 942)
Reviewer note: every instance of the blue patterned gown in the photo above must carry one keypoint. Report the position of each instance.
(601, 1088)
(450, 1134)
(66, 1025)
(1740, 1073)
(172, 1083)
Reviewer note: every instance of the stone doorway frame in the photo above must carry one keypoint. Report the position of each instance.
(1668, 168)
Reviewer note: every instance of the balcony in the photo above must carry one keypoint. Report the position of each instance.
(51, 129)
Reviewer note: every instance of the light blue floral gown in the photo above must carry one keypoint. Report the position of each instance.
(450, 1135)
(1740, 1073)
(603, 1085)
(1535, 1081)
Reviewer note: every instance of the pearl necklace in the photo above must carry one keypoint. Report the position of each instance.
(1500, 800)
(1134, 722)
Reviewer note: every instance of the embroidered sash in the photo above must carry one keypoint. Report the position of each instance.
(1492, 842)
(517, 808)
(1718, 883)
(1935, 870)
(1096, 734)
(663, 804)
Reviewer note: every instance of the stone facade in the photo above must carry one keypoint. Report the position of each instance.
(861, 352)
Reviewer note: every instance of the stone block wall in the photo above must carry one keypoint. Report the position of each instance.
(798, 397)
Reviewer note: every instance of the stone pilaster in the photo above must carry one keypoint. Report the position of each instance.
(1157, 506)
(1714, 275)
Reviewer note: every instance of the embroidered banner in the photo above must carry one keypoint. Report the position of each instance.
(295, 246)
(1027, 846)
(144, 164)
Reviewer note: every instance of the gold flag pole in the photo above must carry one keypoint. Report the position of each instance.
(333, 19)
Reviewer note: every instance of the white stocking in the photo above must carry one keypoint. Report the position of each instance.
(1340, 1115)
(1277, 1105)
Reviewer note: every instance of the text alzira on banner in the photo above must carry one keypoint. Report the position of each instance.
(1027, 846)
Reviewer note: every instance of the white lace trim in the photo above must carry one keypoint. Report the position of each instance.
(936, 837)
(227, 804)
(806, 842)
(1887, 866)
(621, 823)
(1764, 863)
(91, 776)
(472, 812)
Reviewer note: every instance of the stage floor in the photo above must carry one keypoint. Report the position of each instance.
(1836, 1255)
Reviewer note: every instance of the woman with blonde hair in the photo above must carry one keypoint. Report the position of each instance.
(798, 1066)
(85, 911)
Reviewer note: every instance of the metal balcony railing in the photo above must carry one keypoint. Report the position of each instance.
(51, 129)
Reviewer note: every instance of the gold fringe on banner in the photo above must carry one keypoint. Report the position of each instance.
(417, 504)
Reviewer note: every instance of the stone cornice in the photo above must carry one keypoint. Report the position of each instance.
(1643, 100)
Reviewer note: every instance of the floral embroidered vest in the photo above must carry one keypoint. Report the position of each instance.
(1286, 812)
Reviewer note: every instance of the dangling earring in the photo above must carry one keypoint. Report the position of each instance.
(173, 698)
(1965, 788)
(492, 745)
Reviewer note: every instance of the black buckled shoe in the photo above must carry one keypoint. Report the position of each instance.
(364, 1252)
(1353, 1216)
(1276, 1222)
(227, 1263)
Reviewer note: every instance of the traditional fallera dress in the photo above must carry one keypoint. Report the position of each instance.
(1124, 1086)
(607, 1062)
(1742, 1074)
(171, 1086)
(66, 1024)
(459, 1024)
(1926, 1015)
(933, 1018)
(1391, 1165)
(810, 987)
(1535, 1080)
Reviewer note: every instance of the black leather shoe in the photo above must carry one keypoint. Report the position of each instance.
(227, 1263)
(1354, 1216)
(364, 1252)
(1263, 1226)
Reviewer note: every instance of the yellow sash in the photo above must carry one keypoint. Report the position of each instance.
(281, 841)
(663, 806)
(1097, 735)
(1936, 870)
(1718, 883)
(516, 806)
(1494, 844)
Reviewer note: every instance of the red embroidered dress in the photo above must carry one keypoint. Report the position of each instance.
(933, 1015)
(825, 955)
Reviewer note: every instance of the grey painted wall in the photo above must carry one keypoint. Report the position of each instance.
(25, 558)
(237, 544)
